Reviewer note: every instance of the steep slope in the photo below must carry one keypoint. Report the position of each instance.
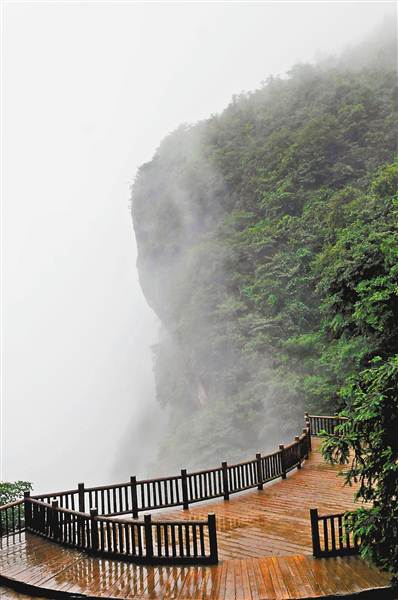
(267, 245)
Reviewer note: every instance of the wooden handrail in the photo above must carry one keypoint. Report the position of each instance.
(129, 521)
(54, 494)
(11, 504)
(333, 417)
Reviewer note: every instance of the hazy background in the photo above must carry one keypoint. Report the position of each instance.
(88, 91)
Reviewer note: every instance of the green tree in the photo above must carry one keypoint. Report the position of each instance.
(368, 442)
(13, 491)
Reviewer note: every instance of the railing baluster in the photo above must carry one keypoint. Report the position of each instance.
(333, 535)
(120, 529)
(173, 541)
(166, 539)
(180, 540)
(202, 539)
(340, 531)
(139, 540)
(326, 534)
(158, 539)
(187, 540)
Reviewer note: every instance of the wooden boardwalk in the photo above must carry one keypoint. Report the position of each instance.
(264, 547)
(275, 521)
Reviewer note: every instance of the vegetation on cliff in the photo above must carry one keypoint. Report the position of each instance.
(267, 245)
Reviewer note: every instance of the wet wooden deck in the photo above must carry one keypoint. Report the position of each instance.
(43, 564)
(275, 521)
(264, 547)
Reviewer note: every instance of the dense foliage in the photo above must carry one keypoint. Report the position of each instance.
(267, 245)
(368, 441)
(13, 491)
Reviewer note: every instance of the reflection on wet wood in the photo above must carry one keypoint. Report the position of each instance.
(44, 564)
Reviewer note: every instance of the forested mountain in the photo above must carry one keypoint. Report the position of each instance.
(267, 244)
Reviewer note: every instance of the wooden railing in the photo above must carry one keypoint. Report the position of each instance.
(318, 423)
(12, 519)
(85, 517)
(147, 541)
(137, 496)
(88, 517)
(331, 535)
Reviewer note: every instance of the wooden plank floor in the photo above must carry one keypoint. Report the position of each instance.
(274, 521)
(43, 564)
(265, 551)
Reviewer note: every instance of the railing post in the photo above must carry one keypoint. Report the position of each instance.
(134, 498)
(54, 523)
(259, 472)
(94, 529)
(148, 536)
(213, 538)
(305, 431)
(225, 486)
(80, 491)
(316, 544)
(27, 509)
(282, 448)
(81, 536)
(184, 484)
(308, 425)
(297, 440)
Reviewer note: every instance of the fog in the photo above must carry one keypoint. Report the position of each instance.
(88, 91)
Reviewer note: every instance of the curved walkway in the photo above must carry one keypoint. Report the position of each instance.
(264, 546)
(275, 521)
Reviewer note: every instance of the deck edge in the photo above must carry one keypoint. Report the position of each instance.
(382, 593)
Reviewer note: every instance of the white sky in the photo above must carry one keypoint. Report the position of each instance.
(88, 91)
